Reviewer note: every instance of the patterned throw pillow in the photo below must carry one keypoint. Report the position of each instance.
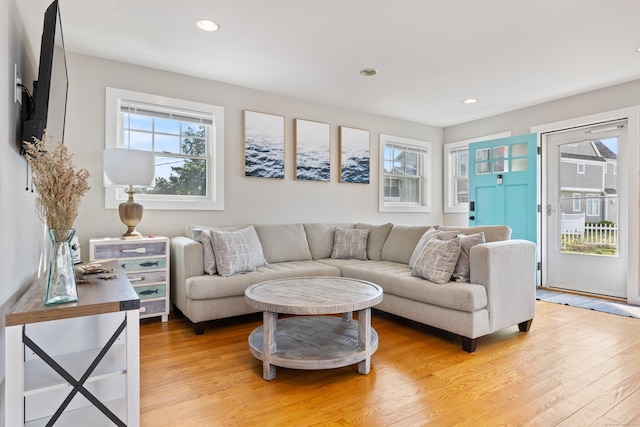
(350, 243)
(232, 253)
(462, 271)
(437, 260)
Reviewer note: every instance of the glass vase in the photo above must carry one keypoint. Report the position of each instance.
(61, 280)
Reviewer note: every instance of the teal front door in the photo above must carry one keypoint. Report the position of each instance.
(503, 184)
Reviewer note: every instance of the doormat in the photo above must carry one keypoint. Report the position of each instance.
(597, 304)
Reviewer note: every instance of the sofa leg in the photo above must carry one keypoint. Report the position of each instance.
(525, 326)
(469, 344)
(198, 328)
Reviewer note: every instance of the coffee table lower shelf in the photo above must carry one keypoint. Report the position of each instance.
(314, 342)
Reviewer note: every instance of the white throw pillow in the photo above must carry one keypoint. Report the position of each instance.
(232, 253)
(444, 235)
(350, 243)
(204, 237)
(437, 260)
(462, 271)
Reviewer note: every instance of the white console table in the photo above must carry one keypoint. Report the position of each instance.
(76, 363)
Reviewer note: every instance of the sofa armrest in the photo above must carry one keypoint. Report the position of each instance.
(507, 269)
(187, 260)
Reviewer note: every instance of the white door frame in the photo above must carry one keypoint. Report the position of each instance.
(631, 162)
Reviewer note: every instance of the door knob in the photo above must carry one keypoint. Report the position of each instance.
(472, 217)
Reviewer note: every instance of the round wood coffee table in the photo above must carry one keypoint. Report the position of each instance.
(309, 341)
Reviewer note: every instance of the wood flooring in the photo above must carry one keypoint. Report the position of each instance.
(575, 367)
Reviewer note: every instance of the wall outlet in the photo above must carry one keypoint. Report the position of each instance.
(18, 87)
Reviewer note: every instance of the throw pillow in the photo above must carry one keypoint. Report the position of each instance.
(204, 237)
(255, 247)
(437, 260)
(232, 253)
(462, 271)
(350, 243)
(444, 235)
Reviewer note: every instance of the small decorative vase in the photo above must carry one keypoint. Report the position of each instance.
(61, 281)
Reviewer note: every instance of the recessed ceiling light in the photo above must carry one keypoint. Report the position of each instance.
(368, 72)
(470, 101)
(207, 25)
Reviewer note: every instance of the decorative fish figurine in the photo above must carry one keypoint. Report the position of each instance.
(148, 292)
(149, 264)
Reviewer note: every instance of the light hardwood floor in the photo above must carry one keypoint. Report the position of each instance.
(575, 367)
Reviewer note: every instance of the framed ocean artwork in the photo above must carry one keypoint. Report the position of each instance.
(263, 145)
(354, 155)
(313, 150)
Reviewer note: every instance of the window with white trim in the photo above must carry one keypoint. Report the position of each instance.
(187, 139)
(593, 205)
(405, 176)
(576, 202)
(581, 168)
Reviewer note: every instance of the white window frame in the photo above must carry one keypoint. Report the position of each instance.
(580, 168)
(425, 173)
(449, 171)
(215, 151)
(576, 198)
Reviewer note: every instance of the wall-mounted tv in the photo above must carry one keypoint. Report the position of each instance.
(47, 107)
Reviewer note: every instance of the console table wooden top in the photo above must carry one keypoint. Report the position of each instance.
(99, 296)
(313, 295)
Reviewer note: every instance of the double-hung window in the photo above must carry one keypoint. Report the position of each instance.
(187, 139)
(405, 176)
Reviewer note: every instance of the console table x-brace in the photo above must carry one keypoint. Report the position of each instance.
(78, 385)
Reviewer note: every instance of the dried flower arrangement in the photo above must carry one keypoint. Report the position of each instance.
(60, 188)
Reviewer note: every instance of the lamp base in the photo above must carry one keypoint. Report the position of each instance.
(130, 215)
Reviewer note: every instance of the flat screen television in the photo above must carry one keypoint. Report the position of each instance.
(47, 107)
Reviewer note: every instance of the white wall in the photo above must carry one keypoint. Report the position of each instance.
(248, 200)
(22, 232)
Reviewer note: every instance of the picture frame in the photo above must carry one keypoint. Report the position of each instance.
(264, 153)
(355, 158)
(313, 150)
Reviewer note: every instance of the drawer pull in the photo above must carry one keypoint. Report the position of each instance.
(136, 279)
(137, 250)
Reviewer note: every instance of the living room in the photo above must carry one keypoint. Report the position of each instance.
(85, 136)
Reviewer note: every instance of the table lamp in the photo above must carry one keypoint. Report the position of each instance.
(129, 168)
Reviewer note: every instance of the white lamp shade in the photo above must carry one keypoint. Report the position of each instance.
(129, 167)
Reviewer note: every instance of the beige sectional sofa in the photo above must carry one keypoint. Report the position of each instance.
(500, 292)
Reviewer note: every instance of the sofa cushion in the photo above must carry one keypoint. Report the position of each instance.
(401, 242)
(232, 253)
(492, 233)
(377, 237)
(283, 242)
(350, 243)
(320, 238)
(463, 266)
(208, 287)
(437, 260)
(396, 279)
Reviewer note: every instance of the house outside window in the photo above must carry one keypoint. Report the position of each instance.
(581, 168)
(187, 139)
(406, 175)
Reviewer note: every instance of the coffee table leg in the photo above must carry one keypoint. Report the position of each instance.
(364, 339)
(269, 344)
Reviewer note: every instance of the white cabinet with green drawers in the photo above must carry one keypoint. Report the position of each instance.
(146, 263)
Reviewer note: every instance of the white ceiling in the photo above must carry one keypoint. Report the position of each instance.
(431, 54)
